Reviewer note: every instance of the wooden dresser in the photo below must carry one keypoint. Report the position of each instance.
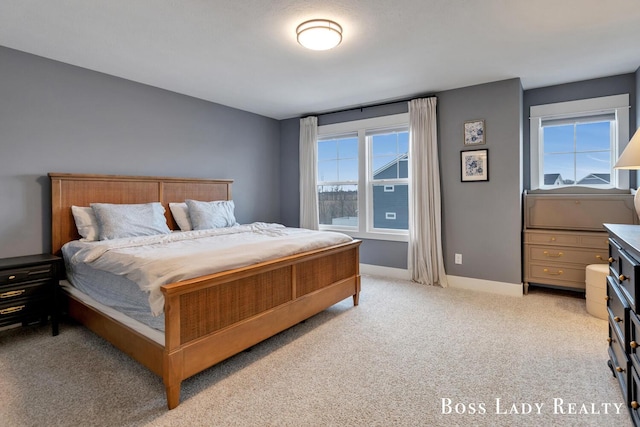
(623, 287)
(563, 233)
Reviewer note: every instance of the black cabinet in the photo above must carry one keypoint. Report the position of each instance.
(29, 289)
(623, 286)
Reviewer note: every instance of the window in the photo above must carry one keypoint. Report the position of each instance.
(363, 177)
(577, 143)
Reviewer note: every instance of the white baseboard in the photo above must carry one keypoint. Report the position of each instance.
(377, 270)
(502, 288)
(469, 283)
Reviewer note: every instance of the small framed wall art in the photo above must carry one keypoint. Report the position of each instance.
(474, 133)
(474, 165)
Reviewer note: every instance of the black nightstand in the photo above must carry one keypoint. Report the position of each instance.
(29, 289)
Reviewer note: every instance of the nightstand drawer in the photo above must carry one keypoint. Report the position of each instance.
(24, 290)
(21, 309)
(25, 274)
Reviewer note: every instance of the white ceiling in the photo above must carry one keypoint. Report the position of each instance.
(244, 54)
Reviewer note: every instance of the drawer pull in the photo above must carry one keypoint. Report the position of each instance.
(619, 369)
(611, 260)
(12, 309)
(633, 344)
(607, 298)
(546, 270)
(547, 254)
(634, 405)
(553, 239)
(12, 277)
(609, 340)
(10, 294)
(622, 277)
(617, 319)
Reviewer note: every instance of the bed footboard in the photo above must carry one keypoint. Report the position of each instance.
(211, 318)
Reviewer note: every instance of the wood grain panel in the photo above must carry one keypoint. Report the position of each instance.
(217, 307)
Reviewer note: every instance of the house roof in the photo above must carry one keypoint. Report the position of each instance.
(596, 178)
(244, 54)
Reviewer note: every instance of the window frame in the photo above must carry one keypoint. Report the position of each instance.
(365, 178)
(617, 104)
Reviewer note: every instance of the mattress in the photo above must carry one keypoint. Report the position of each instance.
(127, 274)
(136, 325)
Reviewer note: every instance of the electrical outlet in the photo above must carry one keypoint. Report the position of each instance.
(458, 258)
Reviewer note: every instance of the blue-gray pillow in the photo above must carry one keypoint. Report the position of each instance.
(206, 215)
(130, 220)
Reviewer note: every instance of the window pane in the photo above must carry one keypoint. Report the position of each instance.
(338, 205)
(558, 139)
(559, 169)
(593, 136)
(348, 148)
(328, 171)
(385, 167)
(387, 153)
(348, 170)
(391, 206)
(327, 150)
(593, 168)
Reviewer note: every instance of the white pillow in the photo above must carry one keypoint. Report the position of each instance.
(86, 223)
(123, 220)
(180, 212)
(206, 215)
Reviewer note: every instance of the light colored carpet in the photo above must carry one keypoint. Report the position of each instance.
(389, 362)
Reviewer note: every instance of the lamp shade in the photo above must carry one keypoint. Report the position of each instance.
(319, 34)
(630, 157)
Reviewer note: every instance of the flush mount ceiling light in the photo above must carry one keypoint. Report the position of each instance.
(319, 34)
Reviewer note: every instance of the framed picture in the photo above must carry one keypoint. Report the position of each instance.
(474, 132)
(474, 165)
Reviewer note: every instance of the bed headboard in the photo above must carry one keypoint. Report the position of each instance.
(80, 190)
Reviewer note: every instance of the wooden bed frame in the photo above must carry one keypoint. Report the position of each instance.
(209, 318)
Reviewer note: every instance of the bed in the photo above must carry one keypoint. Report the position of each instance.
(210, 318)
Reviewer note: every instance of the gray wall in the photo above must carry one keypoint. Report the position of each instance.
(482, 220)
(60, 118)
(606, 86)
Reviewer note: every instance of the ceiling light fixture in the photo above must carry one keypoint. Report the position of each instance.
(319, 34)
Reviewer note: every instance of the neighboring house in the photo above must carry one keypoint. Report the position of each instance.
(391, 202)
(553, 179)
(596, 179)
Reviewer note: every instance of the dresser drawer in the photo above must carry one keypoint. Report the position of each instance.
(542, 238)
(9, 276)
(626, 279)
(618, 310)
(561, 254)
(620, 363)
(21, 309)
(558, 275)
(634, 398)
(634, 340)
(578, 212)
(25, 290)
(614, 257)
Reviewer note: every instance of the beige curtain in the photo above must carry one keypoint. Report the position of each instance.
(308, 173)
(425, 235)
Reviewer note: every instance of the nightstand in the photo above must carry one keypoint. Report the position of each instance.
(29, 288)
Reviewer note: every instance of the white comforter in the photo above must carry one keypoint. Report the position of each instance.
(153, 261)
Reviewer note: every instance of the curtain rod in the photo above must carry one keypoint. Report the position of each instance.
(363, 107)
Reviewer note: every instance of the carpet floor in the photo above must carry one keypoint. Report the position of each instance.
(408, 355)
